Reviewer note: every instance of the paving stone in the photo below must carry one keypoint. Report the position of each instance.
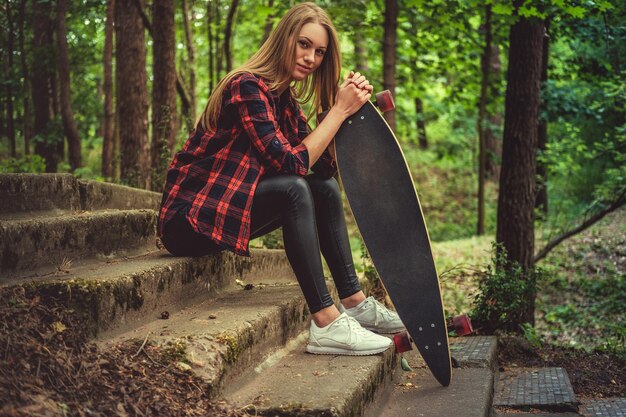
(545, 388)
(475, 351)
(608, 407)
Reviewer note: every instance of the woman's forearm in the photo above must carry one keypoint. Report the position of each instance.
(317, 142)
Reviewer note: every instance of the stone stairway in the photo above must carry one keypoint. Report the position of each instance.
(241, 322)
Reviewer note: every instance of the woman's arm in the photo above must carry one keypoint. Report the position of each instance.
(349, 100)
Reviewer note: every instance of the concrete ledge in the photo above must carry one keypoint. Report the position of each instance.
(101, 195)
(417, 393)
(302, 384)
(24, 192)
(28, 244)
(128, 293)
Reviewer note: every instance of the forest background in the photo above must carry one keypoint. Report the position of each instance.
(109, 89)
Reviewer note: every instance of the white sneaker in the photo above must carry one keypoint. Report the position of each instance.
(374, 316)
(345, 336)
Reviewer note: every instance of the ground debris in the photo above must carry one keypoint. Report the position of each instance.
(48, 367)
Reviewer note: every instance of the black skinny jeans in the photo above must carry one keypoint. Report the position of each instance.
(310, 212)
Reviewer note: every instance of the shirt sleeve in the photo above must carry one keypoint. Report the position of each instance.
(258, 120)
(325, 166)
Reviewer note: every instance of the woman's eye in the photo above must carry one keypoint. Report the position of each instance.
(319, 52)
(303, 44)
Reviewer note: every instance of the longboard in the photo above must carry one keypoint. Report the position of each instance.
(385, 205)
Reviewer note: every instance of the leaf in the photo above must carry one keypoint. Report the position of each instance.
(405, 365)
(58, 327)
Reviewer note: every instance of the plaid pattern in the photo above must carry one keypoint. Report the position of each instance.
(215, 174)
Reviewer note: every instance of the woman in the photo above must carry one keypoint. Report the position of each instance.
(243, 173)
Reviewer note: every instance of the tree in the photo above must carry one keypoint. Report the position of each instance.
(26, 120)
(228, 34)
(69, 125)
(132, 101)
(482, 110)
(389, 55)
(191, 63)
(163, 89)
(541, 200)
(10, 130)
(516, 199)
(108, 128)
(42, 92)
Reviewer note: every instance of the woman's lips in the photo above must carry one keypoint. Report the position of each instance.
(302, 68)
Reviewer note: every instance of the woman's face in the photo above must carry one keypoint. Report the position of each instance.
(311, 45)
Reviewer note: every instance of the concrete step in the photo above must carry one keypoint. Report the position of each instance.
(300, 384)
(123, 293)
(417, 393)
(42, 239)
(33, 192)
(226, 337)
(543, 389)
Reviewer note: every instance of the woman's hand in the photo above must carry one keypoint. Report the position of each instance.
(353, 93)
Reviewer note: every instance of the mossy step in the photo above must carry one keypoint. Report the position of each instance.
(225, 337)
(125, 293)
(29, 192)
(43, 240)
(303, 384)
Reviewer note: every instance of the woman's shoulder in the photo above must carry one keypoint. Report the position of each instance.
(249, 80)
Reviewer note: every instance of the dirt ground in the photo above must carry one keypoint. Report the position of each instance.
(48, 368)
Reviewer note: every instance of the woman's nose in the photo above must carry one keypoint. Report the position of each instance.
(308, 57)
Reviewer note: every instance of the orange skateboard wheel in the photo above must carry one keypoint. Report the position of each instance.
(384, 101)
(402, 342)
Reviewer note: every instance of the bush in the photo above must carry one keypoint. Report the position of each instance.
(505, 294)
(27, 163)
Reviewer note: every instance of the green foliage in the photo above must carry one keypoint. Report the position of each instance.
(505, 294)
(27, 163)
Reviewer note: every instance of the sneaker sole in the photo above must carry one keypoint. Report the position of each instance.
(317, 350)
(379, 331)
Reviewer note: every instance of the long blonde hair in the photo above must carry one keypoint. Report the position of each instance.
(269, 62)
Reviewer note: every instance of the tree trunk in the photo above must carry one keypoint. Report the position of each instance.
(389, 55)
(40, 88)
(27, 131)
(191, 65)
(421, 125)
(541, 201)
(516, 200)
(482, 110)
(228, 34)
(210, 18)
(269, 23)
(493, 141)
(163, 90)
(132, 99)
(10, 130)
(108, 128)
(218, 51)
(69, 124)
(360, 41)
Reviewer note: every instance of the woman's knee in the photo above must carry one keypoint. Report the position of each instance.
(325, 188)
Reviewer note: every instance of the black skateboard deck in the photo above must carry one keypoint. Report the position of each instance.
(385, 205)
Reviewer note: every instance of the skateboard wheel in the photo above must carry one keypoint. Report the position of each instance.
(384, 101)
(402, 342)
(462, 325)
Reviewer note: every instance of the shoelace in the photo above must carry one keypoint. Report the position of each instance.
(355, 328)
(383, 311)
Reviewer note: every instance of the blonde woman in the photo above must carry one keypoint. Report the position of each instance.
(244, 172)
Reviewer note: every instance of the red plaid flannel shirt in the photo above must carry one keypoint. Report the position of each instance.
(215, 174)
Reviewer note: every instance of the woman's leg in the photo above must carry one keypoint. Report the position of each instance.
(286, 201)
(334, 241)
